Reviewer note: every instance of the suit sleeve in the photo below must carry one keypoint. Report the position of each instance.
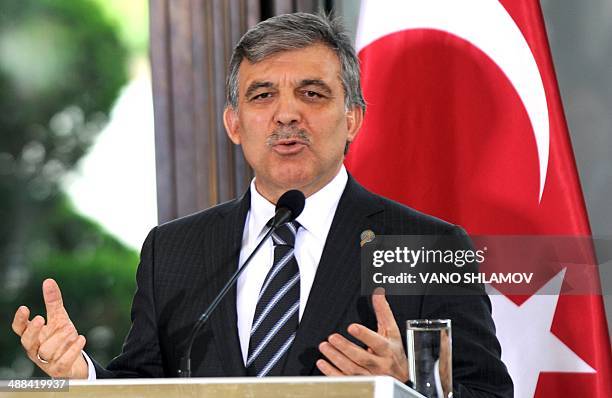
(477, 367)
(141, 354)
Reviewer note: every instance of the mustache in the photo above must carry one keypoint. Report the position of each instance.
(288, 134)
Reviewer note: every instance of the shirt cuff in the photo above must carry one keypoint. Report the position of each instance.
(91, 369)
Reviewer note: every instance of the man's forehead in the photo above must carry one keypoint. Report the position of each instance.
(313, 63)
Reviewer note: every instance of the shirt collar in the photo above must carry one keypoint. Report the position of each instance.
(318, 210)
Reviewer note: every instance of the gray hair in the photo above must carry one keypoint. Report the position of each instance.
(291, 32)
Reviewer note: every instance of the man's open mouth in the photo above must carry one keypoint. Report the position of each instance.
(289, 146)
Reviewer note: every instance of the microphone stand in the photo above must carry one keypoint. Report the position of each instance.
(185, 365)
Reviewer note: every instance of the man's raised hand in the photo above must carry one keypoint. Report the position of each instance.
(385, 354)
(55, 347)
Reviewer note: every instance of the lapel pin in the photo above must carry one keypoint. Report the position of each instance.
(367, 236)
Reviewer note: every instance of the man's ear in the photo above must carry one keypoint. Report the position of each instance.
(230, 121)
(354, 120)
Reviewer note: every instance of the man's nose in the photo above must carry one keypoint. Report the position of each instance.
(287, 111)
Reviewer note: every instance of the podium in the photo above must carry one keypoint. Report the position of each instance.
(233, 387)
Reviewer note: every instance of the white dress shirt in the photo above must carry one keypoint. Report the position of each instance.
(315, 222)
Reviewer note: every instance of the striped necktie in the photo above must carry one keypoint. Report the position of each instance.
(277, 312)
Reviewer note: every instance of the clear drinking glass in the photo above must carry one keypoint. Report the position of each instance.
(429, 345)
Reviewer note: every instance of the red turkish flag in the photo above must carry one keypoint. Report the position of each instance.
(465, 122)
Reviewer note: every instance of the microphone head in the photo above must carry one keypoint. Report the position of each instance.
(293, 201)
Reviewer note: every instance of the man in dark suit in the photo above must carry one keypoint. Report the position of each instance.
(294, 105)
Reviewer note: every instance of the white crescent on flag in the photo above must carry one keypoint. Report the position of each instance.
(485, 24)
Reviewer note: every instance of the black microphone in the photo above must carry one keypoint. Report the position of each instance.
(288, 208)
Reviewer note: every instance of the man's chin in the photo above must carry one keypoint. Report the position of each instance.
(287, 178)
(293, 183)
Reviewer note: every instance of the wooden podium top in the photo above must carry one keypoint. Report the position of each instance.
(230, 387)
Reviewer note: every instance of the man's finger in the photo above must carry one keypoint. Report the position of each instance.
(57, 344)
(376, 342)
(355, 353)
(29, 338)
(51, 328)
(46, 332)
(384, 316)
(63, 366)
(20, 322)
(328, 369)
(53, 301)
(341, 361)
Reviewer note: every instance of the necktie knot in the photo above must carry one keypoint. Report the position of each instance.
(285, 234)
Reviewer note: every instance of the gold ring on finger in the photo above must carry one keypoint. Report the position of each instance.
(40, 359)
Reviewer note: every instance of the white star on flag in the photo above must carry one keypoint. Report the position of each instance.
(527, 326)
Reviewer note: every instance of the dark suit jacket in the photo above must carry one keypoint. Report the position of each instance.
(185, 263)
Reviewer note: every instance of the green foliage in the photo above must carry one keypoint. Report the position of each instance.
(132, 19)
(95, 273)
(61, 68)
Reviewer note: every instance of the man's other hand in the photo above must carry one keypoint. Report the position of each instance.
(385, 354)
(55, 347)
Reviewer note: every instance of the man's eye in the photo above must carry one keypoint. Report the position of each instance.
(262, 96)
(312, 94)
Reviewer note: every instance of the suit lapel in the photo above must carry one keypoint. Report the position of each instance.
(337, 280)
(225, 244)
